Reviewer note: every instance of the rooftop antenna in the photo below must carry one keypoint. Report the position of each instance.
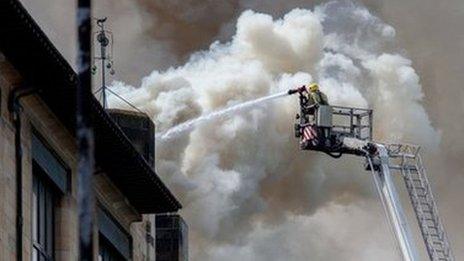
(104, 38)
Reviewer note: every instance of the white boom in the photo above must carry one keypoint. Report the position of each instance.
(392, 204)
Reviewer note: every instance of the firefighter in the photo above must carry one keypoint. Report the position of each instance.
(315, 96)
(310, 99)
(312, 94)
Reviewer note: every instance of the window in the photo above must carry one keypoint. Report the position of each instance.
(43, 214)
(51, 165)
(171, 238)
(114, 242)
(107, 252)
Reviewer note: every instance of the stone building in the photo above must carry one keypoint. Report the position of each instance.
(38, 158)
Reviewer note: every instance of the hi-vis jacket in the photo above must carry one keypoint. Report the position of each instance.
(317, 97)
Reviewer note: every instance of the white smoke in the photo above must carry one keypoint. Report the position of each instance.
(247, 190)
(316, 237)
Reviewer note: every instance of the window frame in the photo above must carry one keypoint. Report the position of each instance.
(43, 216)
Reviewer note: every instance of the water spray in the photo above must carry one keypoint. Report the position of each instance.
(176, 130)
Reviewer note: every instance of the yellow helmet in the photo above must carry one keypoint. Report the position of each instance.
(313, 87)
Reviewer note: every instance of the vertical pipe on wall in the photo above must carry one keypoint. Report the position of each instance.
(14, 107)
(19, 185)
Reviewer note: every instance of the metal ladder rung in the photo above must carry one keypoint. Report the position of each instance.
(433, 234)
(438, 243)
(419, 197)
(416, 195)
(419, 186)
(431, 227)
(431, 212)
(422, 203)
(426, 218)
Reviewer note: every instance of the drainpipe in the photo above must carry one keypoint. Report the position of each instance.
(15, 107)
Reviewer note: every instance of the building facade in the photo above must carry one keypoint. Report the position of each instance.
(38, 159)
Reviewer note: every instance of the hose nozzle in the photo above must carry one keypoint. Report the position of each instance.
(297, 90)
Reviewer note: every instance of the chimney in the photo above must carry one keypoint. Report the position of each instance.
(140, 130)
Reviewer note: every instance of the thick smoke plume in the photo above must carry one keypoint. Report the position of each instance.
(245, 186)
(157, 34)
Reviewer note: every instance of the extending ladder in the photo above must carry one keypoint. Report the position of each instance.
(406, 160)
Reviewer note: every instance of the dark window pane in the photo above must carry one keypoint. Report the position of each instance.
(49, 223)
(35, 214)
(41, 214)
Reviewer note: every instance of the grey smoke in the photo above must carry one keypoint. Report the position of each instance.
(427, 31)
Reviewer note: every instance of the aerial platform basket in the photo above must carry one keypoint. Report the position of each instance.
(325, 128)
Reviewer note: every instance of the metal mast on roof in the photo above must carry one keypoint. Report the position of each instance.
(105, 39)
